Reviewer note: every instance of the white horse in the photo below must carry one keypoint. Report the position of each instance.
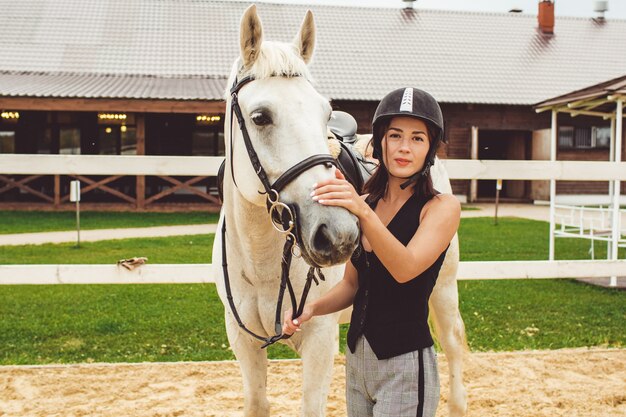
(444, 309)
(286, 122)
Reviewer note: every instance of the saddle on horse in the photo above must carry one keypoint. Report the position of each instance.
(353, 164)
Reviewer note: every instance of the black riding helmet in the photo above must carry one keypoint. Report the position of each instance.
(414, 103)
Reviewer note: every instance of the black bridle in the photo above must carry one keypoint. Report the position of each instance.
(283, 217)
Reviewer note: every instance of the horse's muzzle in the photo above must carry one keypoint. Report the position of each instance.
(332, 244)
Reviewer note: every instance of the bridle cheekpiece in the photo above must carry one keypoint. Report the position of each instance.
(283, 217)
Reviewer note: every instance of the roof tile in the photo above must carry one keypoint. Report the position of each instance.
(184, 49)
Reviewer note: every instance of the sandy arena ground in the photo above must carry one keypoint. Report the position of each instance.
(571, 382)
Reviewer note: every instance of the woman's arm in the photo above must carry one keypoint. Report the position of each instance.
(439, 222)
(339, 297)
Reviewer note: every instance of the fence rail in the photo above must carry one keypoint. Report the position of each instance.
(458, 169)
(203, 273)
(17, 164)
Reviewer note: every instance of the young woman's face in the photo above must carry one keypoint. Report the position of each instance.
(405, 146)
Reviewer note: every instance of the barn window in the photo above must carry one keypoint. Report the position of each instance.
(7, 141)
(566, 137)
(207, 138)
(602, 136)
(584, 137)
(69, 141)
(117, 134)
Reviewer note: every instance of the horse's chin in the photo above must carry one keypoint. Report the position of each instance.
(339, 256)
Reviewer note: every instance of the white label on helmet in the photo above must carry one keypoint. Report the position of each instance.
(407, 100)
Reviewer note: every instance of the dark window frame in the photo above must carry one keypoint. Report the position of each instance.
(580, 138)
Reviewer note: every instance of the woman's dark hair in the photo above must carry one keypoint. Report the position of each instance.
(376, 186)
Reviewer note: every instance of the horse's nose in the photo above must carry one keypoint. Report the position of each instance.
(322, 241)
(334, 244)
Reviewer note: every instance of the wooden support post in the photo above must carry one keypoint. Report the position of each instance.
(140, 190)
(57, 191)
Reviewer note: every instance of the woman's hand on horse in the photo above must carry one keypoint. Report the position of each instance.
(290, 326)
(339, 192)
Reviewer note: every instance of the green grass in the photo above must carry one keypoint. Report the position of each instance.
(132, 323)
(108, 323)
(41, 221)
(163, 250)
(541, 314)
(519, 239)
(511, 239)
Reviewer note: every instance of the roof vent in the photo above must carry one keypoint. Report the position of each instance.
(600, 7)
(408, 4)
(516, 10)
(546, 16)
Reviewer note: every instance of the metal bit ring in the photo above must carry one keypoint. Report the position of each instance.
(276, 206)
(276, 197)
(295, 250)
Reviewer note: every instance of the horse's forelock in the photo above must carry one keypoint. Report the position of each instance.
(277, 58)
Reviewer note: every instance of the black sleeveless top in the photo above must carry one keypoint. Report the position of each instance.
(392, 316)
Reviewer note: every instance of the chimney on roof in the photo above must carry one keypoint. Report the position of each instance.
(600, 7)
(546, 16)
(408, 4)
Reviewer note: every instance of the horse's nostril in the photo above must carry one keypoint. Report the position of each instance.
(322, 241)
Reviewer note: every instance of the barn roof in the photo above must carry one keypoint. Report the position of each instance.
(183, 49)
(596, 100)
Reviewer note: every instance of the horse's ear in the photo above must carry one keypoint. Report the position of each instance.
(250, 36)
(305, 39)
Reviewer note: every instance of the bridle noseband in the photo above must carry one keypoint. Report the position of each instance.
(283, 217)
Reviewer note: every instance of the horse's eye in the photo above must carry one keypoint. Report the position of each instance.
(261, 119)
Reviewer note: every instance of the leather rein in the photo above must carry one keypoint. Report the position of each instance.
(284, 219)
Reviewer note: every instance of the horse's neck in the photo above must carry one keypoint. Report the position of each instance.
(250, 234)
(441, 180)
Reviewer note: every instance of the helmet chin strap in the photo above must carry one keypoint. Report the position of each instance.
(411, 180)
(415, 177)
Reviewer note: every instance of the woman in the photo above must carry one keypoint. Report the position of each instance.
(391, 366)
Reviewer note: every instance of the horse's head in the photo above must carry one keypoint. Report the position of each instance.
(285, 119)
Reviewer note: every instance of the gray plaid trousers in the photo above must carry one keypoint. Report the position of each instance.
(390, 387)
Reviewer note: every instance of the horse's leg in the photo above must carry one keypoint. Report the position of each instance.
(253, 363)
(317, 350)
(450, 329)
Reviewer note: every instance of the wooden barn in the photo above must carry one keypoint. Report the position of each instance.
(147, 77)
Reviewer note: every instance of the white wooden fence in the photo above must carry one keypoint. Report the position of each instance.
(590, 223)
(462, 169)
(201, 273)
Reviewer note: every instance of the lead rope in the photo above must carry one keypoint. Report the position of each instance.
(285, 282)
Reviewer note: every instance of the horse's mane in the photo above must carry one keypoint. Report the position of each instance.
(275, 58)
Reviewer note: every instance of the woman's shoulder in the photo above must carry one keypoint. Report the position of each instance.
(444, 205)
(445, 198)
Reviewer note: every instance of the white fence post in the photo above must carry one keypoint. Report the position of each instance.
(616, 229)
(553, 140)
